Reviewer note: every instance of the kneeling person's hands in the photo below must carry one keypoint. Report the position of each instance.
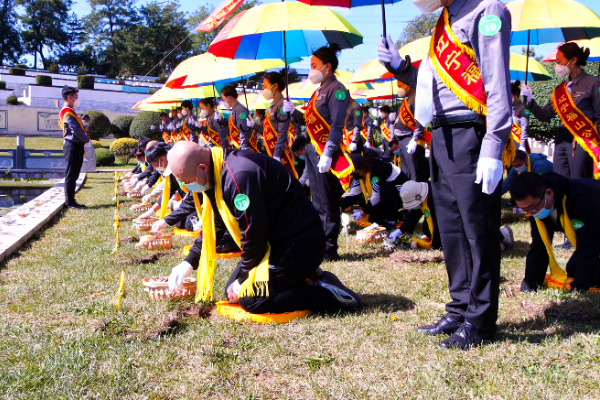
(178, 274)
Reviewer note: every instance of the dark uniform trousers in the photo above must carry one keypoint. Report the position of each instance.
(326, 191)
(469, 223)
(74, 157)
(580, 166)
(413, 165)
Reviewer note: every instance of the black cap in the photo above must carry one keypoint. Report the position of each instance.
(68, 91)
(357, 160)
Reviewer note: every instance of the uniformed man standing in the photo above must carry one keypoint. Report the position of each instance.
(241, 126)
(465, 77)
(216, 126)
(74, 136)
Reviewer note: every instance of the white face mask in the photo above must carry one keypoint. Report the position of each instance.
(160, 168)
(225, 104)
(267, 94)
(84, 123)
(316, 75)
(427, 6)
(76, 103)
(184, 113)
(179, 115)
(562, 70)
(170, 115)
(203, 114)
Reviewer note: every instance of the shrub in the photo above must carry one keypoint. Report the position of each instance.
(12, 100)
(121, 125)
(99, 125)
(21, 66)
(85, 82)
(121, 148)
(97, 144)
(82, 70)
(16, 71)
(2, 85)
(104, 157)
(111, 74)
(43, 80)
(53, 68)
(141, 125)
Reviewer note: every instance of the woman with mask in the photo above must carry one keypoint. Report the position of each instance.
(520, 116)
(277, 125)
(215, 127)
(325, 118)
(577, 102)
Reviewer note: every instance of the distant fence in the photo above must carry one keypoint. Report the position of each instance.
(35, 159)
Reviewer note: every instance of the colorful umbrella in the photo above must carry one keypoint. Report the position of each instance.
(188, 93)
(380, 91)
(371, 71)
(547, 21)
(592, 44)
(521, 70)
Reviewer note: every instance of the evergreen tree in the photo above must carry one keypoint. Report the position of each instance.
(70, 54)
(11, 47)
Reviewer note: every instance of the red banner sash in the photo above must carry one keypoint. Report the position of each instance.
(409, 120)
(234, 133)
(270, 138)
(166, 137)
(515, 132)
(456, 64)
(214, 135)
(583, 130)
(318, 131)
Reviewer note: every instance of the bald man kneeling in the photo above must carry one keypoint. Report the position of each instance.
(266, 211)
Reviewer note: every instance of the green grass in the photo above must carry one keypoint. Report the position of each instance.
(62, 337)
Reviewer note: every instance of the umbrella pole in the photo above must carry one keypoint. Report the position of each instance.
(383, 22)
(214, 90)
(244, 87)
(527, 62)
(287, 93)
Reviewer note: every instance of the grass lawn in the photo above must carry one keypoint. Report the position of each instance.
(62, 337)
(42, 143)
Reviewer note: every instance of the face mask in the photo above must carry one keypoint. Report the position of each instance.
(267, 94)
(184, 113)
(562, 70)
(401, 92)
(170, 115)
(302, 157)
(203, 114)
(544, 212)
(76, 103)
(427, 6)
(522, 168)
(225, 104)
(397, 152)
(84, 123)
(179, 115)
(316, 75)
(160, 168)
(196, 187)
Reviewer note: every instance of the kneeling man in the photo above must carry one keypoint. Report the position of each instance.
(266, 211)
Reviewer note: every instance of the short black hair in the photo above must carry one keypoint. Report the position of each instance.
(528, 184)
(301, 141)
(276, 78)
(572, 50)
(386, 109)
(187, 104)
(260, 111)
(328, 55)
(157, 151)
(229, 91)
(515, 88)
(68, 91)
(143, 142)
(163, 114)
(394, 142)
(208, 102)
(521, 155)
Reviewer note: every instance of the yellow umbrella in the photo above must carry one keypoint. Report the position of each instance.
(371, 71)
(380, 91)
(182, 94)
(416, 49)
(519, 68)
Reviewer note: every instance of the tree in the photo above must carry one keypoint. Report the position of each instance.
(201, 40)
(417, 28)
(44, 24)
(10, 42)
(70, 55)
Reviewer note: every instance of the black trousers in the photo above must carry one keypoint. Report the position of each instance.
(74, 157)
(326, 192)
(579, 166)
(469, 223)
(391, 202)
(413, 165)
(291, 264)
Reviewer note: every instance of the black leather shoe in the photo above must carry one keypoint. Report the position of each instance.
(75, 205)
(345, 297)
(446, 324)
(466, 337)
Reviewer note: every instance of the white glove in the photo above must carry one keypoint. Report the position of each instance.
(127, 175)
(375, 123)
(159, 225)
(367, 144)
(353, 146)
(304, 179)
(250, 122)
(233, 292)
(526, 92)
(489, 173)
(389, 54)
(395, 234)
(231, 144)
(392, 117)
(411, 147)
(139, 185)
(178, 274)
(145, 189)
(152, 127)
(288, 106)
(134, 179)
(217, 116)
(357, 215)
(324, 164)
(147, 198)
(196, 224)
(277, 158)
(148, 213)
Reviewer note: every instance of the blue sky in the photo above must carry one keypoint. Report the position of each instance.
(367, 20)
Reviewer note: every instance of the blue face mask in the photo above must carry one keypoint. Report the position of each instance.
(196, 187)
(302, 157)
(544, 212)
(397, 152)
(521, 169)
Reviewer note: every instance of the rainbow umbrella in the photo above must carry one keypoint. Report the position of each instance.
(380, 91)
(527, 68)
(371, 71)
(168, 94)
(592, 44)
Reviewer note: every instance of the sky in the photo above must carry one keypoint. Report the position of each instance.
(367, 20)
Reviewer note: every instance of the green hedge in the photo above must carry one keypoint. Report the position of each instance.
(97, 144)
(99, 125)
(43, 80)
(12, 100)
(53, 68)
(21, 66)
(141, 125)
(121, 125)
(85, 82)
(104, 157)
(2, 85)
(16, 71)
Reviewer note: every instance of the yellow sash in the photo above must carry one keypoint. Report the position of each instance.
(409, 120)
(386, 132)
(557, 279)
(64, 112)
(143, 167)
(258, 277)
(214, 135)
(425, 243)
(164, 205)
(234, 133)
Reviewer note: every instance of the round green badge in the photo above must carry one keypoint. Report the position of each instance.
(340, 95)
(427, 214)
(527, 112)
(243, 116)
(241, 202)
(577, 224)
(490, 25)
(282, 112)
(358, 113)
(374, 180)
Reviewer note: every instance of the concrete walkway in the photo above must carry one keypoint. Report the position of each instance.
(19, 225)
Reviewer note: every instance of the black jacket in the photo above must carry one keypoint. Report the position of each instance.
(186, 208)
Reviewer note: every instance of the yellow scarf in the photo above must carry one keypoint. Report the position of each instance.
(259, 276)
(424, 243)
(366, 187)
(143, 167)
(166, 196)
(558, 278)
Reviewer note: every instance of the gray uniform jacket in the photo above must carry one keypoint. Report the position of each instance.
(521, 118)
(332, 106)
(239, 113)
(492, 54)
(220, 126)
(73, 131)
(354, 119)
(584, 91)
(281, 122)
